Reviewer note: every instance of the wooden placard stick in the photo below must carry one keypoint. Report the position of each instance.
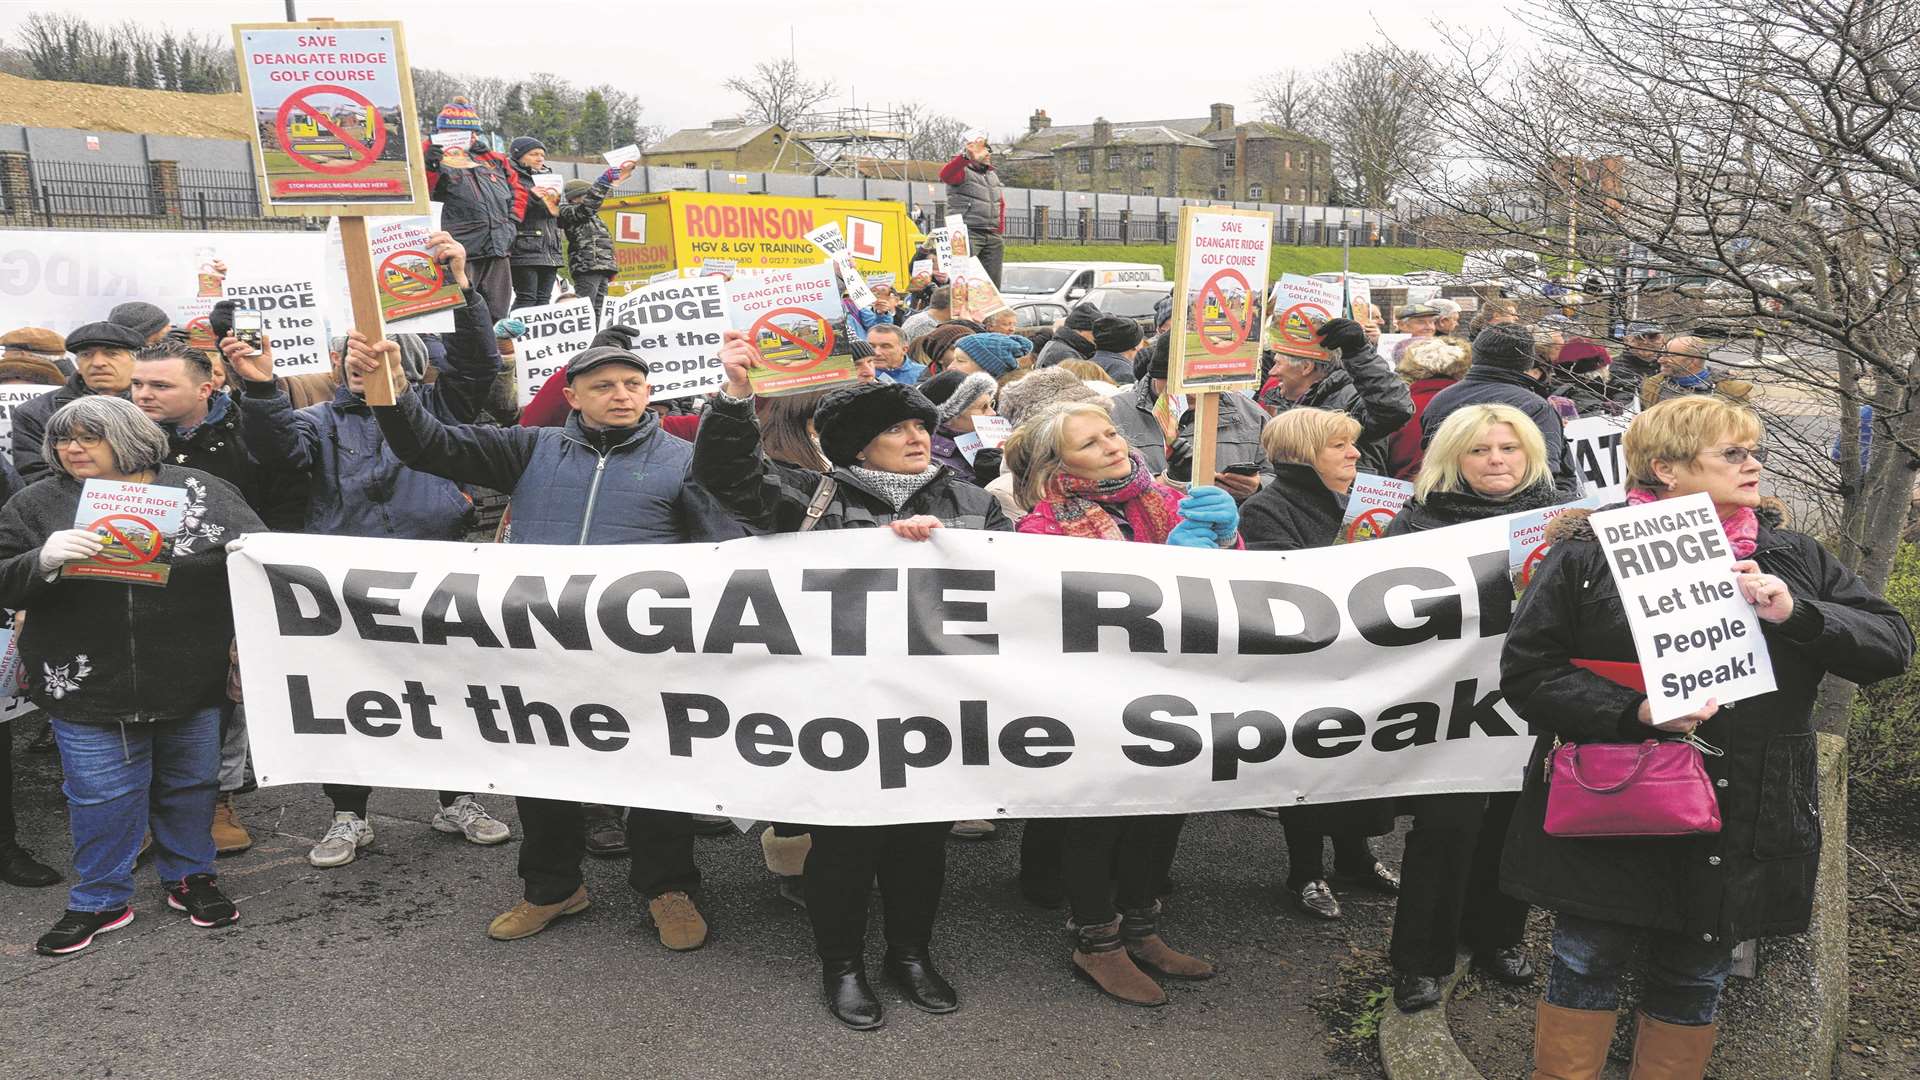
(380, 388)
(1206, 428)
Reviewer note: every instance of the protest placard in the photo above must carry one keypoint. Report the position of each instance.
(759, 701)
(974, 295)
(1599, 456)
(137, 521)
(556, 333)
(1372, 504)
(289, 307)
(1696, 635)
(828, 238)
(549, 182)
(959, 245)
(451, 140)
(795, 319)
(1299, 307)
(335, 130)
(989, 433)
(1527, 543)
(682, 325)
(1217, 331)
(417, 295)
(12, 396)
(13, 700)
(618, 157)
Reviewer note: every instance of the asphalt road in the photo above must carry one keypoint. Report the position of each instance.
(381, 969)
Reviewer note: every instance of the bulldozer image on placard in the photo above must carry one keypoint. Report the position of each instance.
(408, 285)
(1214, 323)
(305, 134)
(780, 350)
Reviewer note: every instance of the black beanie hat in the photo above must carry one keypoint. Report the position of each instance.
(849, 418)
(1115, 334)
(1505, 346)
(1152, 362)
(941, 387)
(1081, 317)
(619, 336)
(519, 147)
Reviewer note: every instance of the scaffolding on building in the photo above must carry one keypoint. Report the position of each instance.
(856, 141)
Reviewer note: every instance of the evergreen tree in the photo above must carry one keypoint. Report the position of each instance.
(594, 132)
(144, 75)
(513, 120)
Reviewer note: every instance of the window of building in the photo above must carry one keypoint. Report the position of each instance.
(1286, 160)
(1148, 190)
(716, 163)
(1220, 192)
(1289, 195)
(1116, 161)
(1255, 192)
(1086, 161)
(1146, 159)
(1226, 158)
(693, 164)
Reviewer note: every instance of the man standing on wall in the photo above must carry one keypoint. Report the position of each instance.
(973, 192)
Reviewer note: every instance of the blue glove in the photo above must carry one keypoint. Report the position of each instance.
(1213, 508)
(1194, 535)
(510, 327)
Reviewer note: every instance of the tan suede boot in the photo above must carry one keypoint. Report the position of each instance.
(1663, 1051)
(681, 926)
(1570, 1044)
(1141, 931)
(229, 836)
(525, 920)
(1101, 958)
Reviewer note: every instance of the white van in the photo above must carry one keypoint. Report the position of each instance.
(1067, 283)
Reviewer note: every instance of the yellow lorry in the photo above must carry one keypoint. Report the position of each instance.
(681, 230)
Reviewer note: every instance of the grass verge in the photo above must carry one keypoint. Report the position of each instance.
(1286, 259)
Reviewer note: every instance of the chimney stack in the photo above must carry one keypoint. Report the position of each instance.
(1221, 117)
(1102, 131)
(1039, 121)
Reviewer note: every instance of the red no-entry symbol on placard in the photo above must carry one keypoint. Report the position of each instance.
(815, 354)
(391, 266)
(363, 154)
(200, 333)
(1533, 561)
(113, 525)
(1376, 520)
(1241, 326)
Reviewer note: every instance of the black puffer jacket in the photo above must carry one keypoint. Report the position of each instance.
(1443, 508)
(1756, 876)
(1365, 388)
(771, 496)
(537, 243)
(216, 447)
(480, 206)
(1295, 510)
(102, 652)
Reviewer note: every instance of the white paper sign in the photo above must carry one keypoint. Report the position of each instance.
(681, 324)
(723, 267)
(1599, 456)
(12, 396)
(549, 181)
(1372, 504)
(1697, 637)
(993, 430)
(384, 234)
(452, 140)
(617, 158)
(829, 239)
(556, 333)
(290, 318)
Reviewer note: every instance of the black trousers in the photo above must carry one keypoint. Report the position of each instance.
(353, 798)
(592, 285)
(988, 247)
(8, 825)
(533, 285)
(492, 278)
(1042, 849)
(1450, 883)
(911, 863)
(1117, 860)
(553, 844)
(1306, 854)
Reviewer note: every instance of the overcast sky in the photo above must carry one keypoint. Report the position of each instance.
(988, 62)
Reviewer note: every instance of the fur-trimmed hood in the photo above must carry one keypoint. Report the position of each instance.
(1573, 525)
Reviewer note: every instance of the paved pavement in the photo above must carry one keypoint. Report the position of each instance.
(381, 969)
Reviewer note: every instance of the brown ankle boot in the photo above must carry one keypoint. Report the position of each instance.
(1570, 1044)
(1140, 929)
(1663, 1051)
(229, 836)
(1101, 958)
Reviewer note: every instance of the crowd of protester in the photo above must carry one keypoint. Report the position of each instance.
(140, 690)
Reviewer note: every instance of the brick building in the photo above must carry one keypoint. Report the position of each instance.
(1209, 157)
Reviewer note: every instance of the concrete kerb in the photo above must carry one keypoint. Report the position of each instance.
(1785, 1024)
(1420, 1046)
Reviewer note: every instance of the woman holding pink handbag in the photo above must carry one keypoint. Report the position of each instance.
(1691, 897)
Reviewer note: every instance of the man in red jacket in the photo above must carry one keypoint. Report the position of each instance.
(974, 193)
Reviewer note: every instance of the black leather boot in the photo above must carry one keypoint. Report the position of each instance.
(910, 969)
(849, 998)
(19, 867)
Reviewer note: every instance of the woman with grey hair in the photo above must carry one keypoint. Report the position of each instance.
(131, 673)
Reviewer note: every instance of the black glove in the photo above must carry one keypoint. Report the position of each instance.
(1180, 461)
(1345, 337)
(220, 319)
(986, 466)
(433, 157)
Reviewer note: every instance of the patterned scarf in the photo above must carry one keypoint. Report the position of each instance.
(1743, 525)
(1086, 508)
(894, 487)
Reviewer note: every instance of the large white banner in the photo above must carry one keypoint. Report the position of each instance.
(857, 678)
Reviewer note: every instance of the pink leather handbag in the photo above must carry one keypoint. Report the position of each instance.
(1652, 788)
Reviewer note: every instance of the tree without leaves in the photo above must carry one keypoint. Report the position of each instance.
(1764, 146)
(1291, 97)
(932, 136)
(777, 93)
(1381, 129)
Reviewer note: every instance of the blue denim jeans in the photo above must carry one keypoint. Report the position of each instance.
(123, 779)
(1680, 985)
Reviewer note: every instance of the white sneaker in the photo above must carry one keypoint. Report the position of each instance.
(468, 817)
(343, 841)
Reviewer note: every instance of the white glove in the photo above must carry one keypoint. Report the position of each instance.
(68, 545)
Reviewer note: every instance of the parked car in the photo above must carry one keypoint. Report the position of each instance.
(1132, 301)
(1067, 283)
(1027, 316)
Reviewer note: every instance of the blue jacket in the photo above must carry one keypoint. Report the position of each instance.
(909, 373)
(568, 488)
(359, 487)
